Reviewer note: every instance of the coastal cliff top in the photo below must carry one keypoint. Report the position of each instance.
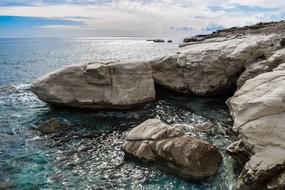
(259, 28)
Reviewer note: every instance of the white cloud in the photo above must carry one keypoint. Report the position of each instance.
(149, 17)
(60, 27)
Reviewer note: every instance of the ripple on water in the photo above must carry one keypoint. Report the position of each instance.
(90, 155)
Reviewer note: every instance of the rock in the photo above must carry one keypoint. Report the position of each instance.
(252, 71)
(184, 155)
(277, 182)
(258, 110)
(158, 41)
(7, 185)
(52, 126)
(239, 151)
(98, 85)
(282, 42)
(211, 67)
(262, 66)
(204, 127)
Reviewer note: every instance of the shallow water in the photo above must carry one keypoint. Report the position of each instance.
(89, 155)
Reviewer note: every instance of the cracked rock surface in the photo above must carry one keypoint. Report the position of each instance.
(258, 110)
(212, 66)
(186, 156)
(98, 85)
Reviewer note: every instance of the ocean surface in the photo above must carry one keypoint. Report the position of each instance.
(89, 155)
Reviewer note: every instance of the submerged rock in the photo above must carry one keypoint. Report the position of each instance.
(204, 127)
(98, 85)
(258, 110)
(52, 126)
(213, 66)
(184, 155)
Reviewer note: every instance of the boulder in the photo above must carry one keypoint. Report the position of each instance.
(98, 85)
(52, 126)
(184, 155)
(211, 67)
(258, 110)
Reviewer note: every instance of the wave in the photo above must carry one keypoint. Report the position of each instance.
(15, 87)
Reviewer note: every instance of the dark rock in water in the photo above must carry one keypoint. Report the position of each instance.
(184, 155)
(8, 185)
(158, 41)
(239, 152)
(52, 126)
(169, 41)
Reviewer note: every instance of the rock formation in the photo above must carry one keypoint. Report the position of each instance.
(98, 85)
(186, 156)
(251, 58)
(213, 66)
(258, 110)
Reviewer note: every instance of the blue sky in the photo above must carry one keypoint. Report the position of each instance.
(50, 18)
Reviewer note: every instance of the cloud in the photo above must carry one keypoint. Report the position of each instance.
(241, 8)
(213, 27)
(185, 28)
(60, 27)
(148, 17)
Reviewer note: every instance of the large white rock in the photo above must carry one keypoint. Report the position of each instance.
(258, 110)
(184, 155)
(98, 85)
(212, 66)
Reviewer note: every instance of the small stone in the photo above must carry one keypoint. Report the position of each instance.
(51, 126)
(204, 127)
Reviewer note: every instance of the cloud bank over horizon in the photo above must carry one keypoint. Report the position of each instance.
(51, 18)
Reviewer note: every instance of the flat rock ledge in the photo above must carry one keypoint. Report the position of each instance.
(99, 85)
(185, 156)
(258, 110)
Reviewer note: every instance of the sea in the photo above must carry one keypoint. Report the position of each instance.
(89, 154)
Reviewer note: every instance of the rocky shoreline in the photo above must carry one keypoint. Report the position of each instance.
(250, 59)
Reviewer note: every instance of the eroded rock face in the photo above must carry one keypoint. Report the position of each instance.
(262, 66)
(98, 85)
(186, 156)
(212, 66)
(258, 110)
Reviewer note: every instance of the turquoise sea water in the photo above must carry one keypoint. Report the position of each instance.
(89, 155)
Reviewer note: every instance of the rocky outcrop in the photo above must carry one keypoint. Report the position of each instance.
(258, 110)
(213, 66)
(259, 28)
(262, 66)
(98, 85)
(186, 156)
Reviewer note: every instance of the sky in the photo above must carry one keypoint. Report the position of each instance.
(150, 18)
